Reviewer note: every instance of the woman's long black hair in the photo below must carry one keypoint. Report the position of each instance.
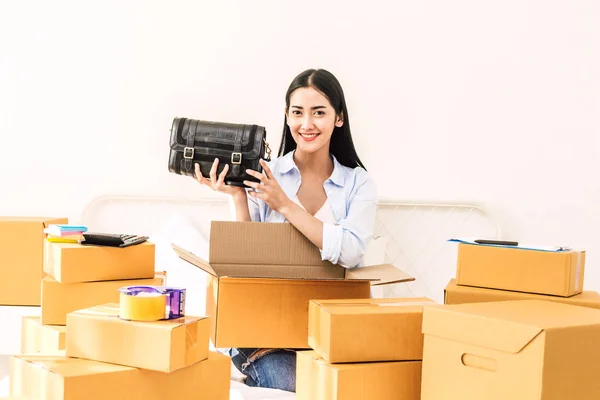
(341, 146)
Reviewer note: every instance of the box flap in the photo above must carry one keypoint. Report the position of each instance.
(275, 243)
(383, 274)
(193, 259)
(67, 366)
(450, 323)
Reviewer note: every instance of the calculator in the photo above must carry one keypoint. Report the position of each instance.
(112, 239)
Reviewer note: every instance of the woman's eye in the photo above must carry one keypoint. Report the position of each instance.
(319, 113)
(296, 112)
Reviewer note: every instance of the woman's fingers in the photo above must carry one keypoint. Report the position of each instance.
(213, 170)
(222, 174)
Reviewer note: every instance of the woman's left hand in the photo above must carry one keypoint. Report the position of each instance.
(268, 189)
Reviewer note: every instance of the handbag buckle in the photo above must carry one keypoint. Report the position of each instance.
(188, 153)
(236, 158)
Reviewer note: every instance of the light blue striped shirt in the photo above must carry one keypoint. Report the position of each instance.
(352, 195)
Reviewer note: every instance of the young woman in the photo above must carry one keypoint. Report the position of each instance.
(318, 184)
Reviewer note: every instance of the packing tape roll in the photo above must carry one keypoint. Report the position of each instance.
(151, 303)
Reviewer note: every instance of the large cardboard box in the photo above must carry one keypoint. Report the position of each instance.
(344, 331)
(456, 294)
(73, 262)
(98, 334)
(59, 299)
(318, 380)
(531, 271)
(523, 349)
(63, 378)
(21, 258)
(38, 338)
(264, 274)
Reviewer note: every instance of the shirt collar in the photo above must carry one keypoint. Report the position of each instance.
(337, 176)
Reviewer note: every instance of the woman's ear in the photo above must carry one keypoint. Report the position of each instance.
(339, 120)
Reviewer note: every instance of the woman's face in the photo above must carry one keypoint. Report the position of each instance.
(311, 119)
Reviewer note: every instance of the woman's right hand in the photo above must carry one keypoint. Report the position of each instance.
(218, 185)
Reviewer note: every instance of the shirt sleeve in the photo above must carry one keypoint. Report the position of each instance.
(345, 243)
(254, 208)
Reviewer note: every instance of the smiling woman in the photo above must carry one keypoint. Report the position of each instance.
(318, 184)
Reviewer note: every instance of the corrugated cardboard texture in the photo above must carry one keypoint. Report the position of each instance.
(318, 380)
(541, 272)
(21, 258)
(62, 378)
(261, 243)
(456, 294)
(525, 350)
(59, 299)
(344, 331)
(266, 313)
(38, 338)
(166, 345)
(73, 263)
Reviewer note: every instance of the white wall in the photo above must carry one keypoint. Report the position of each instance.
(493, 103)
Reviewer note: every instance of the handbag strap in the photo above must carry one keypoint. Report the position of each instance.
(189, 162)
(236, 169)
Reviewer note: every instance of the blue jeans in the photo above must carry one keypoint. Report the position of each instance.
(268, 368)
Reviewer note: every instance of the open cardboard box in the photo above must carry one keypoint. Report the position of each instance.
(262, 277)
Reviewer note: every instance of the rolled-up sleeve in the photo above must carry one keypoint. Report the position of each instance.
(345, 243)
(254, 209)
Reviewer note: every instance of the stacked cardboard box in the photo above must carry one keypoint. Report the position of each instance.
(363, 349)
(21, 258)
(106, 356)
(78, 277)
(504, 332)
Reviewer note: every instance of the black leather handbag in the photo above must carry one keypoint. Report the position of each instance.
(200, 142)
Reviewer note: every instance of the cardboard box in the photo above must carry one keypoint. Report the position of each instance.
(523, 349)
(318, 380)
(530, 271)
(263, 275)
(73, 262)
(38, 338)
(59, 299)
(21, 258)
(166, 345)
(63, 378)
(343, 331)
(456, 294)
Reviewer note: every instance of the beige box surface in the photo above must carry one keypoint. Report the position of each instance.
(22, 258)
(530, 271)
(59, 299)
(38, 338)
(273, 270)
(523, 349)
(456, 294)
(166, 345)
(63, 378)
(73, 262)
(363, 330)
(318, 380)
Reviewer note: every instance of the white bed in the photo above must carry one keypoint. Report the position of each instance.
(411, 235)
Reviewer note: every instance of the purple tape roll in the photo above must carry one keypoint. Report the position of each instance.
(175, 297)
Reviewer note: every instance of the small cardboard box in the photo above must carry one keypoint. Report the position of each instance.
(38, 338)
(73, 262)
(166, 345)
(64, 378)
(22, 259)
(318, 380)
(344, 331)
(531, 271)
(264, 274)
(456, 294)
(59, 299)
(523, 349)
